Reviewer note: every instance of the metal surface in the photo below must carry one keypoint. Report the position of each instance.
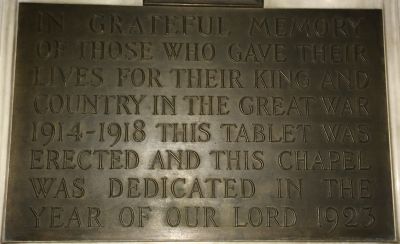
(112, 141)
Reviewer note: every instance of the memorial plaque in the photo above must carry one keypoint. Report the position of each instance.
(198, 124)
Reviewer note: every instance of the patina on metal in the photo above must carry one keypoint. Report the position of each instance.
(198, 124)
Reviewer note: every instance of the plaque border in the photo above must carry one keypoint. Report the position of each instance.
(391, 21)
(207, 3)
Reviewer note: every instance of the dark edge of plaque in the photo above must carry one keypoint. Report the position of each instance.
(206, 3)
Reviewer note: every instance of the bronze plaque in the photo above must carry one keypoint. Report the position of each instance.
(199, 124)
